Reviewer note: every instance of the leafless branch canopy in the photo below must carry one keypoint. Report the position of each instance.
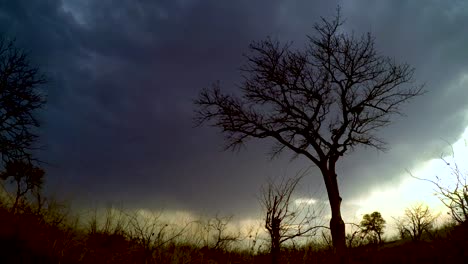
(284, 220)
(19, 97)
(25, 176)
(417, 221)
(217, 235)
(319, 101)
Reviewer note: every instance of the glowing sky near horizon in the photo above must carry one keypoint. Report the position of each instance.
(393, 200)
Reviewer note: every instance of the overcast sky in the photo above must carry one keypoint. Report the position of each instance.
(118, 126)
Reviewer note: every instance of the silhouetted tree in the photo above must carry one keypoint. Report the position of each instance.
(418, 220)
(319, 102)
(19, 99)
(25, 176)
(285, 221)
(373, 224)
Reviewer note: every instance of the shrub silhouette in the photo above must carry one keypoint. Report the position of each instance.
(373, 225)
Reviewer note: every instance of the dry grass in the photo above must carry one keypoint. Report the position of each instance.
(52, 235)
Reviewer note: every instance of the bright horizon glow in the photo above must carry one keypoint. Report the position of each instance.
(305, 201)
(392, 201)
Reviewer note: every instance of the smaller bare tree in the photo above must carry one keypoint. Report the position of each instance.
(253, 233)
(352, 238)
(217, 235)
(152, 232)
(417, 221)
(222, 237)
(25, 176)
(283, 220)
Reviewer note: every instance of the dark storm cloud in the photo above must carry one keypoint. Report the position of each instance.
(118, 125)
(429, 36)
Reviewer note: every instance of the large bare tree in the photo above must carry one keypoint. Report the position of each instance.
(20, 97)
(320, 102)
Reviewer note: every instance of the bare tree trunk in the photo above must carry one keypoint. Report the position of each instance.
(18, 195)
(15, 205)
(337, 226)
(275, 242)
(275, 253)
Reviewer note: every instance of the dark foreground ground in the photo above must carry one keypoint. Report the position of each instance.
(32, 237)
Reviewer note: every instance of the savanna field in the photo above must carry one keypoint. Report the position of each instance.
(52, 235)
(233, 132)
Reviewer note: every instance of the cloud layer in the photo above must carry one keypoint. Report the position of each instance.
(118, 126)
